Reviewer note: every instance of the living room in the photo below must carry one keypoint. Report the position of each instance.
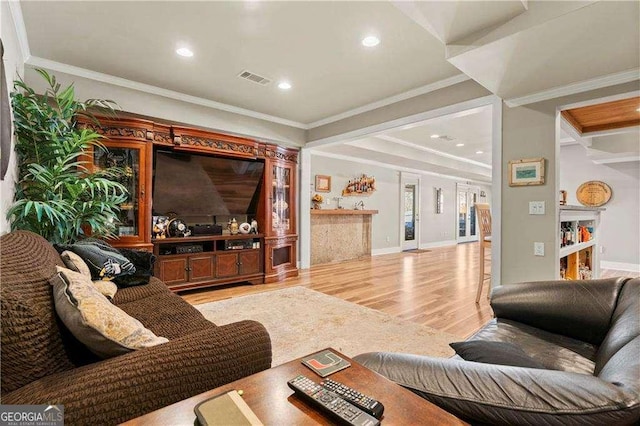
(344, 118)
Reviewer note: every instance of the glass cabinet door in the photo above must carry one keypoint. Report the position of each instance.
(129, 159)
(281, 199)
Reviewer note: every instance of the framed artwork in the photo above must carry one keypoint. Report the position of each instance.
(526, 172)
(323, 183)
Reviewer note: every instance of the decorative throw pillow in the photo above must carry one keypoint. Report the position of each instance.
(104, 262)
(75, 263)
(501, 353)
(106, 288)
(103, 327)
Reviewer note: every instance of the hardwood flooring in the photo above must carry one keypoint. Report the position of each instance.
(436, 288)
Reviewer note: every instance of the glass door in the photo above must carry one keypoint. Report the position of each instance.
(129, 157)
(410, 217)
(281, 199)
(466, 217)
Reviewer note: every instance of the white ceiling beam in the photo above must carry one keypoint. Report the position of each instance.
(574, 134)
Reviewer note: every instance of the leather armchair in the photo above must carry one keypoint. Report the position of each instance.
(585, 333)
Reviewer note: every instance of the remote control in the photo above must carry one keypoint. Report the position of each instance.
(331, 403)
(363, 402)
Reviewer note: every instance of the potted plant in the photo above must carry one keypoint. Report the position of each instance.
(57, 195)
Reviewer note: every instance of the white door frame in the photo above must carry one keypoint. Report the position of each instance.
(410, 179)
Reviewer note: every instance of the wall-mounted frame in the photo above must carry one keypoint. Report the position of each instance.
(323, 183)
(526, 172)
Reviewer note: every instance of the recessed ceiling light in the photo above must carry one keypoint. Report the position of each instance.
(435, 136)
(183, 51)
(459, 144)
(284, 85)
(479, 152)
(370, 41)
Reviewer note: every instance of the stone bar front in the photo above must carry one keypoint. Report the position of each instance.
(340, 234)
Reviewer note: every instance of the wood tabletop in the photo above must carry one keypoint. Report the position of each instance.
(274, 402)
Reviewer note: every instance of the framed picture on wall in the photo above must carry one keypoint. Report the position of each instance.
(526, 172)
(323, 183)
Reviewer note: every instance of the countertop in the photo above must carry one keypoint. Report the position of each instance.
(342, 212)
(582, 208)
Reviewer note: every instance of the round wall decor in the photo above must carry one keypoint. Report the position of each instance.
(594, 193)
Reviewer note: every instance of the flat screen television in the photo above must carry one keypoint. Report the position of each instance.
(198, 185)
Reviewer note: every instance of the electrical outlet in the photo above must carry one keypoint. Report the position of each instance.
(536, 207)
(388, 239)
(601, 249)
(538, 249)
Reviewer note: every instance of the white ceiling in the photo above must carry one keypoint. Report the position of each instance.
(518, 49)
(314, 45)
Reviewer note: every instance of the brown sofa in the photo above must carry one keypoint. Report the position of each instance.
(42, 363)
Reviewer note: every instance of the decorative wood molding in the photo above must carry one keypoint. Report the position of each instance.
(214, 143)
(278, 153)
(119, 129)
(161, 134)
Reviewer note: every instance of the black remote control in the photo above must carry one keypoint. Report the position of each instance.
(363, 402)
(331, 403)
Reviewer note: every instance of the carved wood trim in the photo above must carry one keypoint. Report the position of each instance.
(124, 128)
(278, 153)
(214, 143)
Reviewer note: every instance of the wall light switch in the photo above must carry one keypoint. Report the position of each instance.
(536, 207)
(538, 249)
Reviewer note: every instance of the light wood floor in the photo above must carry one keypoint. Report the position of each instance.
(436, 288)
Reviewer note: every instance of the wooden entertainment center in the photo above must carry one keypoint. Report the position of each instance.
(204, 260)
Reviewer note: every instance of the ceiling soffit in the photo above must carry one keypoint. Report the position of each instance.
(605, 116)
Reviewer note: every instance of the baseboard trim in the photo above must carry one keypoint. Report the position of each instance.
(386, 250)
(620, 266)
(437, 244)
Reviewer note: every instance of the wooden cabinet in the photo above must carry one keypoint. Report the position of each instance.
(131, 143)
(578, 240)
(280, 219)
(209, 263)
(240, 263)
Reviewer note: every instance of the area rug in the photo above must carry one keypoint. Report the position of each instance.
(301, 321)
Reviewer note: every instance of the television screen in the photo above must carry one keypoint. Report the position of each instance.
(201, 185)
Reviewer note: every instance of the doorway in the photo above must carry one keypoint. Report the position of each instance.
(411, 212)
(467, 197)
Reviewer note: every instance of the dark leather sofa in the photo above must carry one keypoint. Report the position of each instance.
(586, 335)
(42, 363)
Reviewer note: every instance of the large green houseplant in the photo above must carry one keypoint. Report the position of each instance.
(57, 195)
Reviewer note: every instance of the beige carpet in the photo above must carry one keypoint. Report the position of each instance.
(302, 321)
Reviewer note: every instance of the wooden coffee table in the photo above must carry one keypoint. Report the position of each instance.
(274, 402)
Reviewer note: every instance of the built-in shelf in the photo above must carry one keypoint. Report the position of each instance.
(579, 259)
(565, 251)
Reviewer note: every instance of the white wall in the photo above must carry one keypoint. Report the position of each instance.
(13, 66)
(385, 224)
(160, 107)
(619, 231)
(435, 230)
(532, 131)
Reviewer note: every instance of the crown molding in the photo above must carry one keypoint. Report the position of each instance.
(573, 88)
(432, 151)
(37, 62)
(441, 84)
(393, 167)
(21, 30)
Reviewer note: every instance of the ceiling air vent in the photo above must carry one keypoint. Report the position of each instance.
(248, 75)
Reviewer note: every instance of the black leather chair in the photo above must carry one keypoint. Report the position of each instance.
(586, 335)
